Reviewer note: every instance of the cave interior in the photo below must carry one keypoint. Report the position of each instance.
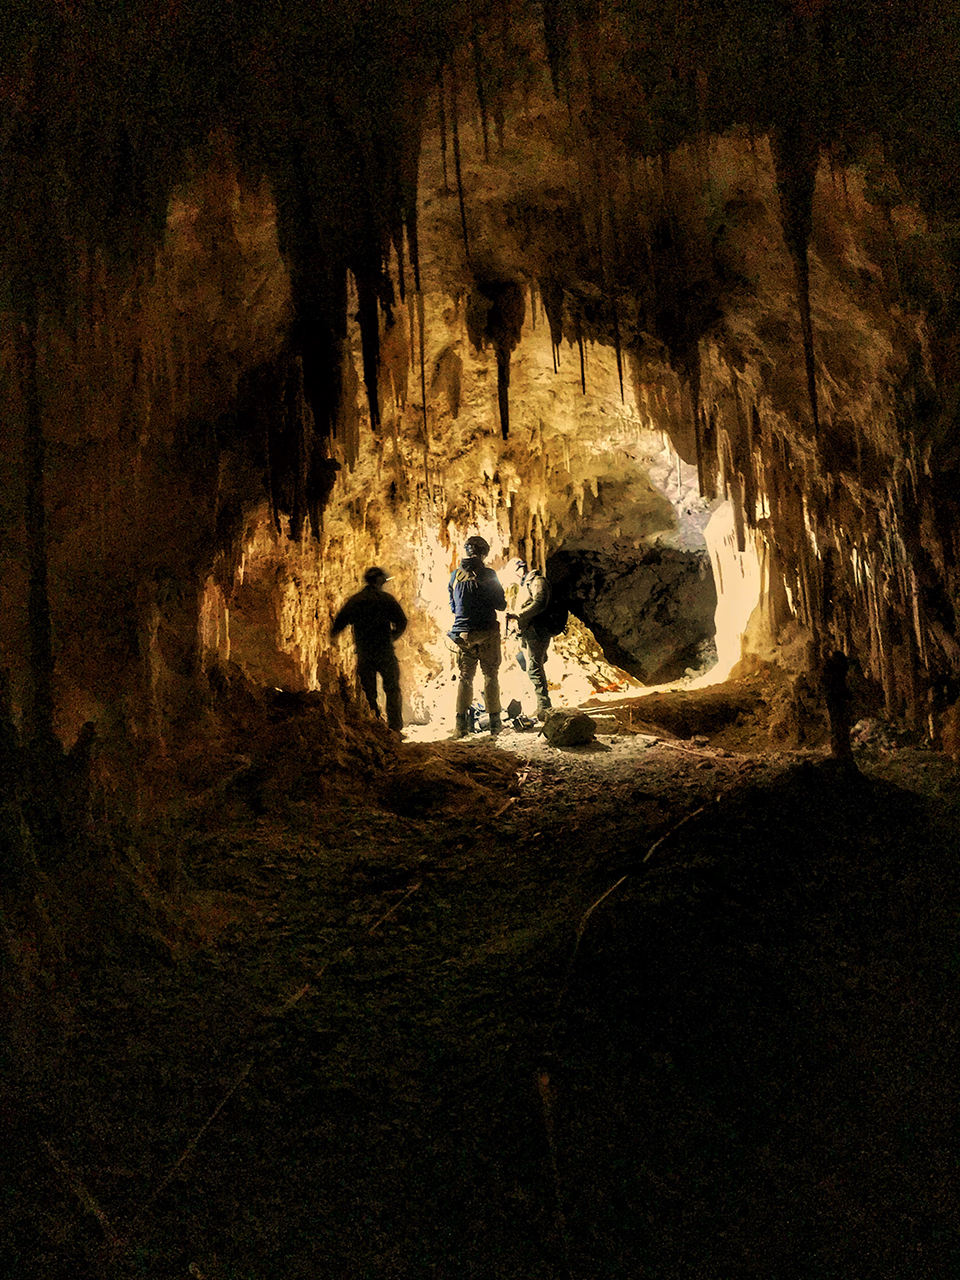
(662, 298)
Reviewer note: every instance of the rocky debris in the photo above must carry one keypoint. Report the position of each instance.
(425, 786)
(568, 727)
(879, 734)
(681, 939)
(606, 722)
(446, 777)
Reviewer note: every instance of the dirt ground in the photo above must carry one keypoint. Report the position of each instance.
(677, 1003)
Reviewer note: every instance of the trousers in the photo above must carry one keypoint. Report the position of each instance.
(479, 648)
(383, 663)
(531, 658)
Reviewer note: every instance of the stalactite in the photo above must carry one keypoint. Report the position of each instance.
(528, 539)
(795, 155)
(401, 266)
(808, 595)
(368, 311)
(735, 485)
(696, 411)
(612, 286)
(873, 624)
(499, 121)
(888, 669)
(917, 617)
(495, 314)
(551, 294)
(481, 89)
(400, 475)
(454, 112)
(441, 103)
(422, 345)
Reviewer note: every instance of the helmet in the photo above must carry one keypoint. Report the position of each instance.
(517, 566)
(375, 577)
(476, 546)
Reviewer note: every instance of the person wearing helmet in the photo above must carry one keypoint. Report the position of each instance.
(377, 620)
(532, 596)
(476, 597)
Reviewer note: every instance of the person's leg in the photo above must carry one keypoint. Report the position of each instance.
(367, 675)
(490, 666)
(536, 654)
(467, 667)
(390, 673)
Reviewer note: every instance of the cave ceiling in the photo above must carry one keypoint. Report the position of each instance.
(573, 272)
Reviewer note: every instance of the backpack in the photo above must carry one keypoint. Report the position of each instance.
(466, 594)
(476, 595)
(464, 590)
(553, 620)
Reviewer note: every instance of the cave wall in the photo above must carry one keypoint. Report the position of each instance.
(587, 311)
(149, 461)
(616, 457)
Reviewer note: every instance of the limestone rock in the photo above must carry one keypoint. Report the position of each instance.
(568, 727)
(605, 722)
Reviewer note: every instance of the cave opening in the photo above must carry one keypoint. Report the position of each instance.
(669, 609)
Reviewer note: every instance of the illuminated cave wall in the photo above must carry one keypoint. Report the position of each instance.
(609, 482)
(284, 298)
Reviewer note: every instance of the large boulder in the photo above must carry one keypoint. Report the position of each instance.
(568, 727)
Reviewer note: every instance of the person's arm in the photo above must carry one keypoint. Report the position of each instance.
(495, 589)
(398, 619)
(539, 599)
(343, 619)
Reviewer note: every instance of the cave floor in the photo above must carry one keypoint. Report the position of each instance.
(645, 1008)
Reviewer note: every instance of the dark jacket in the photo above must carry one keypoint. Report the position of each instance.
(376, 617)
(476, 597)
(533, 596)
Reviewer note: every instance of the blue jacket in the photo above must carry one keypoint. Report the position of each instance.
(476, 597)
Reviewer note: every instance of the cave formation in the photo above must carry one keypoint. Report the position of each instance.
(275, 289)
(660, 297)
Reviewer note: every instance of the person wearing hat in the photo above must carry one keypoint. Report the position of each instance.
(476, 597)
(532, 599)
(377, 620)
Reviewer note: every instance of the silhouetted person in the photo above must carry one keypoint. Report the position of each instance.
(476, 597)
(834, 682)
(377, 620)
(532, 599)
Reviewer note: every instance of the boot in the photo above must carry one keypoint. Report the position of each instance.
(494, 724)
(460, 728)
